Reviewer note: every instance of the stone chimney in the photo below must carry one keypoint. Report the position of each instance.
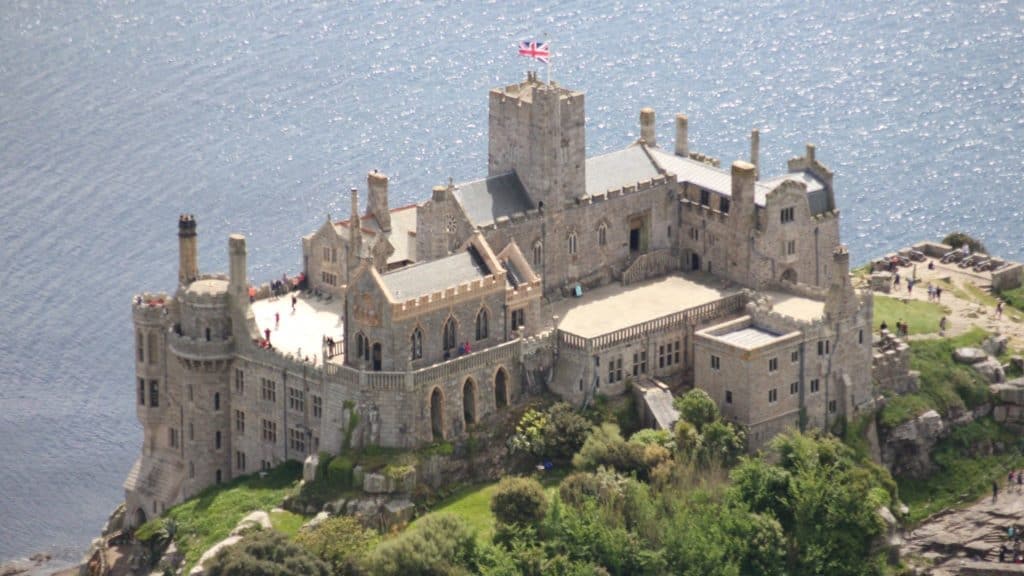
(810, 153)
(682, 136)
(647, 127)
(188, 255)
(355, 233)
(377, 185)
(239, 282)
(743, 185)
(755, 152)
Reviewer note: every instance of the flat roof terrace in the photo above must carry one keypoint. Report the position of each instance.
(301, 333)
(613, 307)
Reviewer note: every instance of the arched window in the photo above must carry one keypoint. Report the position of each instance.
(602, 234)
(217, 440)
(216, 401)
(572, 243)
(450, 335)
(416, 343)
(152, 348)
(538, 253)
(362, 347)
(481, 324)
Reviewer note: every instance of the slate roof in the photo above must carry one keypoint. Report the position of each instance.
(484, 201)
(617, 169)
(402, 235)
(749, 338)
(817, 194)
(704, 175)
(424, 278)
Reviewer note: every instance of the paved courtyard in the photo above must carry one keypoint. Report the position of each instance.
(614, 306)
(301, 332)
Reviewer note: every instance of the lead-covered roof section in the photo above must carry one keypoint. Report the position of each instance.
(435, 275)
(484, 201)
(617, 169)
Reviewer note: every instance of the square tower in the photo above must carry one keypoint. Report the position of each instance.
(537, 130)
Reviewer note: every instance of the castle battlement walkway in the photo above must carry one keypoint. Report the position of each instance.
(300, 333)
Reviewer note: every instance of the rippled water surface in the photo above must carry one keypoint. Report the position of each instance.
(116, 116)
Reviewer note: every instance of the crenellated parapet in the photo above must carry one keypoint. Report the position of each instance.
(448, 297)
(642, 186)
(151, 308)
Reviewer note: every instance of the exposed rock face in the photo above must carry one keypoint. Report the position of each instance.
(199, 570)
(991, 369)
(907, 448)
(969, 355)
(254, 520)
(995, 345)
(1009, 408)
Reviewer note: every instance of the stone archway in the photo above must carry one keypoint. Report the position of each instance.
(789, 276)
(138, 518)
(437, 415)
(501, 388)
(469, 402)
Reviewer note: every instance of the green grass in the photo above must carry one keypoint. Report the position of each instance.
(287, 523)
(921, 317)
(943, 384)
(964, 476)
(474, 504)
(209, 517)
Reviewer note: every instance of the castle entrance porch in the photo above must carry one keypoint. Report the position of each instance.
(637, 234)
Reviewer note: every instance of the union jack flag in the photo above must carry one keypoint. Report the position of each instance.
(535, 50)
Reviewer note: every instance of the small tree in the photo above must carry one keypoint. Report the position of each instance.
(722, 442)
(958, 239)
(342, 542)
(519, 500)
(697, 408)
(265, 553)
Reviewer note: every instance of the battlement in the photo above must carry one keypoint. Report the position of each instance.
(516, 218)
(150, 307)
(643, 185)
(198, 349)
(523, 292)
(448, 296)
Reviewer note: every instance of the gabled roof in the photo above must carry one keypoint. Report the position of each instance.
(616, 169)
(402, 235)
(425, 278)
(484, 201)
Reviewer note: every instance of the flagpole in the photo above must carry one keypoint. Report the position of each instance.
(550, 57)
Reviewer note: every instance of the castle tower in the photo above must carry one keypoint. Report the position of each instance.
(537, 130)
(741, 222)
(188, 256)
(647, 132)
(377, 185)
(755, 152)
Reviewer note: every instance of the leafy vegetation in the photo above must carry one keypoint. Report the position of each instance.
(265, 553)
(958, 239)
(439, 544)
(556, 433)
(519, 501)
(944, 385)
(920, 317)
(1014, 298)
(287, 523)
(340, 542)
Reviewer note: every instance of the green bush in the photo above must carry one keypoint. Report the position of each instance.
(556, 433)
(339, 472)
(519, 500)
(697, 408)
(606, 447)
(438, 544)
(341, 542)
(265, 553)
(958, 239)
(661, 438)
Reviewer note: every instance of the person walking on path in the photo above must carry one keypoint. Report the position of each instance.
(942, 326)
(277, 320)
(295, 301)
(999, 310)
(995, 491)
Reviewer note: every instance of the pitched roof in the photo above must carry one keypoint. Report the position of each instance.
(486, 200)
(402, 235)
(425, 278)
(617, 169)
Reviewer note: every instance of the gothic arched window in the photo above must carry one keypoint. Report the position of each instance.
(602, 234)
(538, 253)
(451, 340)
(416, 344)
(572, 243)
(481, 324)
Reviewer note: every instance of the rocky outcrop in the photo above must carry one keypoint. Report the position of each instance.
(907, 447)
(969, 355)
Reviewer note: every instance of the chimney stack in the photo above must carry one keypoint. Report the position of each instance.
(377, 185)
(755, 152)
(647, 127)
(188, 256)
(682, 136)
(743, 185)
(355, 232)
(810, 153)
(239, 283)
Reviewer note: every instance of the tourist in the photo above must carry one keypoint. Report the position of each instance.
(931, 264)
(266, 333)
(938, 293)
(995, 491)
(1020, 480)
(999, 310)
(896, 279)
(910, 285)
(1002, 553)
(295, 300)
(277, 320)
(883, 327)
(252, 294)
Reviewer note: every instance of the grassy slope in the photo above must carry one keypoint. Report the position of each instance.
(944, 384)
(209, 518)
(921, 317)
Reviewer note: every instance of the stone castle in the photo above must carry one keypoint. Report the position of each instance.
(556, 271)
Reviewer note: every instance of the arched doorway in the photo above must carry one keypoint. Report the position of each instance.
(469, 402)
(501, 388)
(789, 276)
(139, 518)
(437, 415)
(695, 263)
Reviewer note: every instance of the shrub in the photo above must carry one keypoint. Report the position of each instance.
(519, 500)
(437, 544)
(958, 239)
(697, 408)
(606, 447)
(661, 438)
(687, 439)
(265, 553)
(341, 542)
(339, 472)
(605, 486)
(556, 433)
(722, 442)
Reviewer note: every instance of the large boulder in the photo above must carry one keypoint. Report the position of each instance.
(375, 483)
(995, 345)
(309, 467)
(969, 355)
(907, 447)
(991, 369)
(258, 520)
(199, 570)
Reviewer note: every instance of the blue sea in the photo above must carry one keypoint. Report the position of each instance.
(116, 116)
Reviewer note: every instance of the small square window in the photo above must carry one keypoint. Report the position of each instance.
(715, 363)
(728, 396)
(794, 387)
(773, 364)
(773, 396)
